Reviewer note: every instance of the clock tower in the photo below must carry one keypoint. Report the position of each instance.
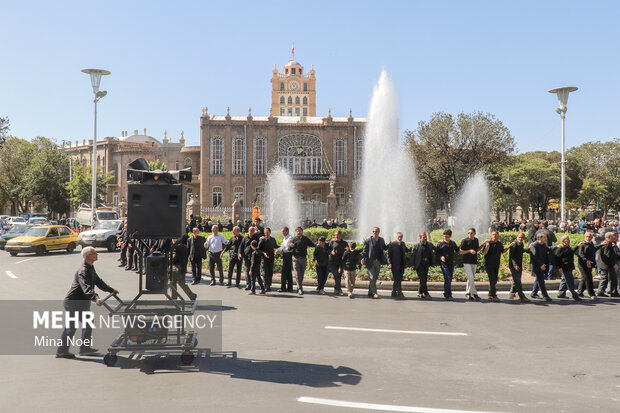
(293, 92)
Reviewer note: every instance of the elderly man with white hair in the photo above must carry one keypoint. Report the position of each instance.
(77, 301)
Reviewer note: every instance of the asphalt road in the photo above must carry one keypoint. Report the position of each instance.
(278, 355)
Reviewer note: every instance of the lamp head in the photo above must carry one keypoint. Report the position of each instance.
(95, 77)
(562, 93)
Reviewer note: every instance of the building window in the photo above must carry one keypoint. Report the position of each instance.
(340, 196)
(340, 156)
(301, 71)
(305, 100)
(290, 111)
(115, 173)
(297, 100)
(216, 196)
(359, 150)
(317, 194)
(260, 156)
(189, 194)
(305, 87)
(259, 196)
(293, 71)
(290, 100)
(296, 111)
(115, 199)
(187, 163)
(238, 194)
(177, 164)
(238, 167)
(197, 166)
(281, 85)
(281, 111)
(305, 112)
(281, 100)
(301, 154)
(217, 156)
(286, 71)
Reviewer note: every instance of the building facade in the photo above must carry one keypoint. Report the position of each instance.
(323, 154)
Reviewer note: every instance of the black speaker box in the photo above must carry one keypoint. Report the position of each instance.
(156, 271)
(155, 211)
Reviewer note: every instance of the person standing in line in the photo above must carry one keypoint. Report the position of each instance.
(197, 253)
(299, 247)
(445, 250)
(268, 245)
(373, 257)
(245, 254)
(286, 277)
(255, 260)
(180, 254)
(551, 239)
(565, 258)
(321, 259)
(422, 260)
(259, 229)
(122, 242)
(396, 262)
(233, 245)
(350, 262)
(215, 244)
(469, 250)
(337, 246)
(608, 266)
(493, 250)
(539, 252)
(586, 257)
(515, 263)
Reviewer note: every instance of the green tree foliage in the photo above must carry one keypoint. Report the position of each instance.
(80, 185)
(15, 158)
(448, 149)
(4, 129)
(157, 165)
(535, 179)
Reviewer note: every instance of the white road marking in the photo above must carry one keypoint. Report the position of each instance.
(381, 407)
(381, 330)
(28, 259)
(10, 274)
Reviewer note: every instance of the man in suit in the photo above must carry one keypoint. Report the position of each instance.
(197, 253)
(608, 266)
(245, 254)
(396, 262)
(586, 258)
(373, 257)
(539, 252)
(268, 245)
(180, 254)
(422, 260)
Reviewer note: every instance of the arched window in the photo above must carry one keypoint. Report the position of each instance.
(305, 111)
(216, 196)
(290, 111)
(305, 87)
(305, 100)
(217, 156)
(297, 100)
(282, 100)
(187, 163)
(260, 156)
(282, 111)
(301, 154)
(290, 100)
(238, 167)
(238, 194)
(340, 156)
(281, 85)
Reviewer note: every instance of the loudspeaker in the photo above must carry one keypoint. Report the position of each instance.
(140, 164)
(155, 211)
(156, 279)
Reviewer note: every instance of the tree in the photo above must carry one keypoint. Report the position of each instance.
(535, 180)
(447, 150)
(80, 185)
(15, 157)
(4, 129)
(158, 164)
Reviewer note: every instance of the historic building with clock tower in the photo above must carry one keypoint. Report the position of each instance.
(293, 92)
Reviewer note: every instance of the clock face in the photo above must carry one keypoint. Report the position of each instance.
(293, 85)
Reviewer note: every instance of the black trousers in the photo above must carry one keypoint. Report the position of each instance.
(586, 282)
(422, 272)
(287, 271)
(124, 255)
(196, 269)
(234, 262)
(246, 263)
(492, 272)
(267, 267)
(69, 332)
(516, 287)
(130, 255)
(609, 277)
(540, 282)
(215, 259)
(337, 270)
(397, 277)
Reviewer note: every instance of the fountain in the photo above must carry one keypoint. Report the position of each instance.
(473, 205)
(389, 193)
(282, 207)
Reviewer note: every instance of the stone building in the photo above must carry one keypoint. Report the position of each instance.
(115, 153)
(323, 154)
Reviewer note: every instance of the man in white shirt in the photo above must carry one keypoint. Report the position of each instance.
(215, 245)
(286, 278)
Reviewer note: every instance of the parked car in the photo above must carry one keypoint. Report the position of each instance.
(16, 231)
(17, 220)
(103, 235)
(38, 221)
(4, 226)
(43, 238)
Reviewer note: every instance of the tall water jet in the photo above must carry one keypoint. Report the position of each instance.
(282, 207)
(389, 194)
(472, 208)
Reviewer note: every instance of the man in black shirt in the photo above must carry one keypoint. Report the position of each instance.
(396, 262)
(77, 301)
(299, 247)
(373, 257)
(233, 245)
(492, 251)
(422, 260)
(180, 255)
(469, 250)
(255, 258)
(515, 263)
(268, 245)
(445, 250)
(539, 252)
(245, 253)
(337, 246)
(586, 257)
(551, 239)
(321, 259)
(608, 266)
(197, 253)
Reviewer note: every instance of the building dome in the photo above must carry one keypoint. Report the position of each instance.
(136, 138)
(292, 63)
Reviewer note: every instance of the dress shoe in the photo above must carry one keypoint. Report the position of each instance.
(513, 297)
(602, 295)
(548, 299)
(248, 288)
(228, 284)
(321, 292)
(65, 355)
(282, 290)
(375, 296)
(88, 351)
(268, 289)
(534, 295)
(195, 282)
(394, 294)
(614, 295)
(428, 296)
(369, 294)
(121, 264)
(300, 292)
(237, 286)
(469, 297)
(212, 282)
(401, 296)
(495, 299)
(449, 298)
(477, 298)
(576, 297)
(251, 292)
(262, 292)
(562, 295)
(524, 299)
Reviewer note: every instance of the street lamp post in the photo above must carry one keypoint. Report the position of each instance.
(95, 80)
(562, 93)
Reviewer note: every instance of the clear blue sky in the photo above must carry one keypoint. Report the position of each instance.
(169, 59)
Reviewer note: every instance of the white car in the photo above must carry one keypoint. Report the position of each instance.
(38, 221)
(103, 235)
(16, 220)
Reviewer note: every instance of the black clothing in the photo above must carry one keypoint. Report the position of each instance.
(470, 244)
(539, 254)
(551, 238)
(422, 254)
(351, 260)
(300, 246)
(321, 256)
(396, 254)
(586, 252)
(245, 249)
(565, 257)
(373, 250)
(196, 246)
(447, 250)
(83, 285)
(233, 245)
(515, 256)
(180, 255)
(255, 260)
(494, 255)
(269, 246)
(338, 249)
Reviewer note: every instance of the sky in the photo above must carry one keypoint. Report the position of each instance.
(170, 59)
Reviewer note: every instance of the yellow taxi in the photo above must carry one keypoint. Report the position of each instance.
(43, 238)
